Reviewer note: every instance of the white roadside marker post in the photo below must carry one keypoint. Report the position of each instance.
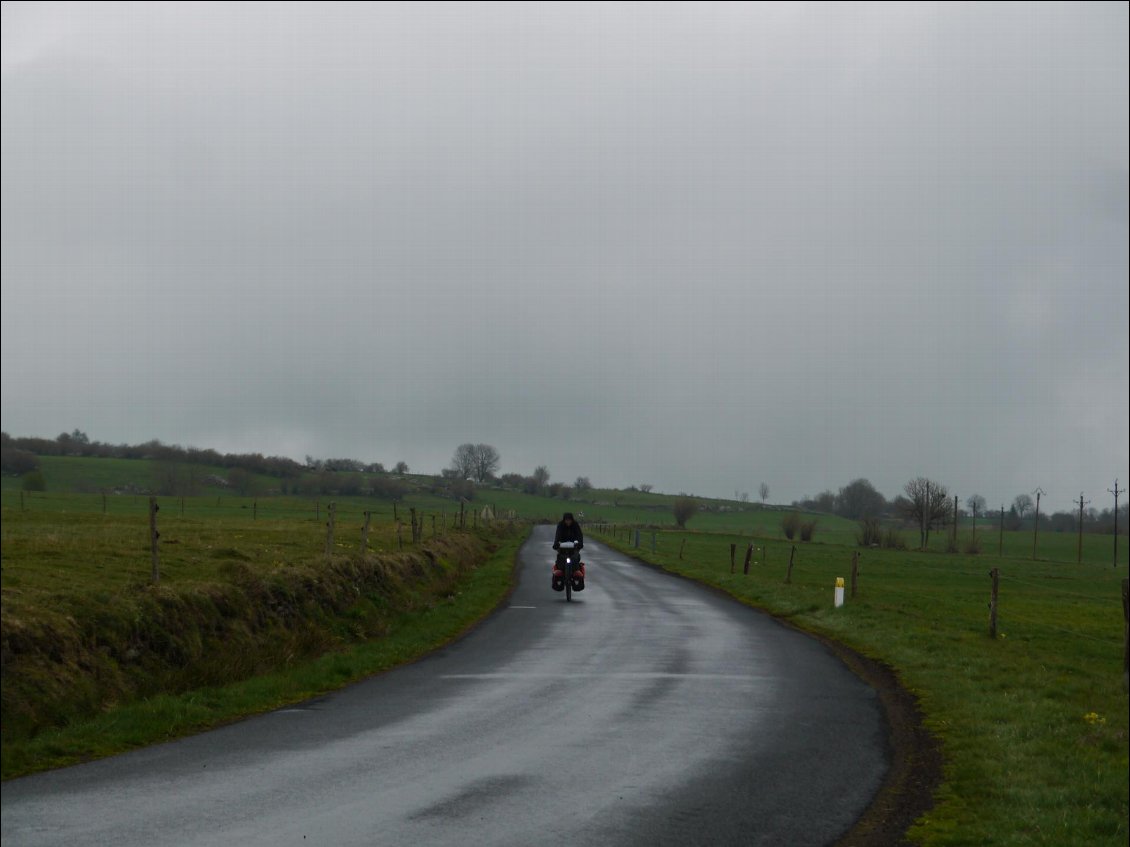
(839, 591)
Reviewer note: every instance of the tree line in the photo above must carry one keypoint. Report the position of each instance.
(19, 455)
(181, 471)
(928, 505)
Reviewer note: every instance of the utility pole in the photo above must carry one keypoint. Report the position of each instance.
(155, 569)
(1039, 492)
(1116, 492)
(1082, 503)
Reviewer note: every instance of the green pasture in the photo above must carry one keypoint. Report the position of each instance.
(67, 561)
(1033, 724)
(88, 477)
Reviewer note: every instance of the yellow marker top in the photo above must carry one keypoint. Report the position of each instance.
(839, 582)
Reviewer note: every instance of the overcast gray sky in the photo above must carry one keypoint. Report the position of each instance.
(695, 245)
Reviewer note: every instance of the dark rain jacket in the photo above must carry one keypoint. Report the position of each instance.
(569, 533)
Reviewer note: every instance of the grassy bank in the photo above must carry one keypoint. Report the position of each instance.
(1033, 725)
(248, 615)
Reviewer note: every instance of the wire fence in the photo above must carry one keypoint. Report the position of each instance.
(959, 592)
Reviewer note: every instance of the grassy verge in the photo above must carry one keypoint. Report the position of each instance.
(431, 621)
(1033, 725)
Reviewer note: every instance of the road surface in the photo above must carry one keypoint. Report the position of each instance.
(648, 711)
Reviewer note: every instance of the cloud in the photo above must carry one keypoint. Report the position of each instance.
(697, 245)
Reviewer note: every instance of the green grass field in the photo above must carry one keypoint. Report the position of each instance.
(1033, 724)
(137, 663)
(84, 478)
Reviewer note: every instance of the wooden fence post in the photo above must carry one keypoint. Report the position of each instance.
(433, 526)
(182, 507)
(1125, 634)
(462, 514)
(330, 513)
(254, 509)
(681, 547)
(412, 514)
(748, 556)
(103, 502)
(733, 550)
(155, 573)
(653, 542)
(789, 573)
(365, 533)
(854, 571)
(996, 576)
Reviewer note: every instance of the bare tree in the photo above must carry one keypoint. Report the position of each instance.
(486, 462)
(463, 462)
(927, 502)
(540, 477)
(1023, 505)
(976, 504)
(646, 488)
(763, 490)
(401, 468)
(582, 484)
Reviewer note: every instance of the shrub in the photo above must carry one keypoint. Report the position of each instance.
(973, 546)
(893, 540)
(462, 489)
(790, 523)
(684, 509)
(17, 462)
(34, 481)
(870, 533)
(807, 530)
(388, 489)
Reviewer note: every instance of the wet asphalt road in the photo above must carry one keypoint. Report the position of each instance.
(648, 711)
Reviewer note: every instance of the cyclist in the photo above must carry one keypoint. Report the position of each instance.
(568, 530)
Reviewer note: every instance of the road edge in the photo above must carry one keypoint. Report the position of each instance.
(907, 790)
